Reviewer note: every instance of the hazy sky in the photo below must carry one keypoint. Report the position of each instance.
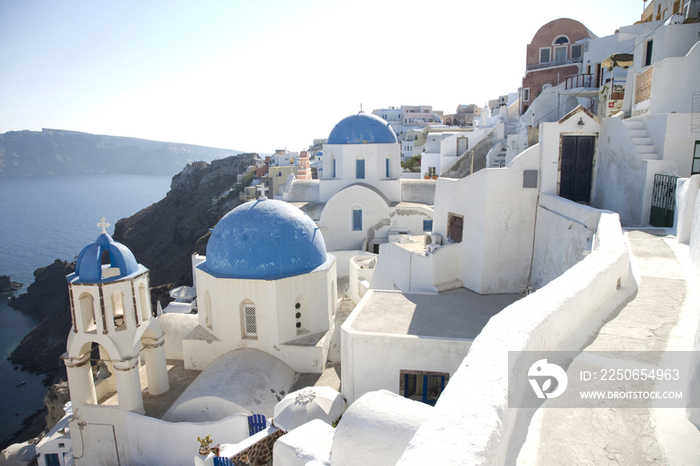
(264, 74)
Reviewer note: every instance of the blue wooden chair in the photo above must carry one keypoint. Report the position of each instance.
(256, 423)
(222, 461)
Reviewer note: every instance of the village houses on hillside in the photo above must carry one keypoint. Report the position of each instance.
(405, 292)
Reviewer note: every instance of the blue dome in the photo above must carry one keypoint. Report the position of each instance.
(88, 267)
(362, 129)
(265, 239)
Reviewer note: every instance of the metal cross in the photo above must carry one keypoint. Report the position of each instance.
(103, 225)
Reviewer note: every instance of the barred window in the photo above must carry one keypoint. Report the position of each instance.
(251, 328)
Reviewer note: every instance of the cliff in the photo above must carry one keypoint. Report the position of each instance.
(46, 298)
(164, 235)
(59, 152)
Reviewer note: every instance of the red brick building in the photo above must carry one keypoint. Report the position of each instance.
(552, 56)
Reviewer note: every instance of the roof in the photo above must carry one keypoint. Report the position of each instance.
(362, 128)
(88, 267)
(458, 313)
(265, 239)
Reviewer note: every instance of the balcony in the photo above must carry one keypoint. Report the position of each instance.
(552, 64)
(579, 80)
(643, 85)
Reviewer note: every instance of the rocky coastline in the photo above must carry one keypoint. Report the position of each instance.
(8, 286)
(162, 238)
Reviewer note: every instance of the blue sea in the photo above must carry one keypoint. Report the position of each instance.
(43, 219)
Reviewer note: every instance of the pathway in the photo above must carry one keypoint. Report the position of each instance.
(662, 316)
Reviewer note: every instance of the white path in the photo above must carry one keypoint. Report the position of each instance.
(662, 316)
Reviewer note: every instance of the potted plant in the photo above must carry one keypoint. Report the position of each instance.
(204, 445)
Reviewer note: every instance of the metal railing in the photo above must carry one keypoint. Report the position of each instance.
(550, 64)
(579, 80)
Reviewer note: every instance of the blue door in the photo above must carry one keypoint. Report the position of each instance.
(357, 220)
(52, 459)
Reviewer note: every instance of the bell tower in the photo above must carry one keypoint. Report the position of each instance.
(114, 331)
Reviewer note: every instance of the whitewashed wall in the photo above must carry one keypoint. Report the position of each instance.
(675, 78)
(275, 317)
(573, 225)
(686, 194)
(364, 371)
(620, 173)
(142, 440)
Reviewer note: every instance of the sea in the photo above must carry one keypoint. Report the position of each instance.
(43, 219)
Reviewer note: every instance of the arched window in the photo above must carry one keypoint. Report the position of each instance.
(560, 40)
(117, 299)
(357, 218)
(87, 313)
(249, 322)
(360, 168)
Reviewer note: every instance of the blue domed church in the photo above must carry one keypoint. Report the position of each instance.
(361, 198)
(267, 283)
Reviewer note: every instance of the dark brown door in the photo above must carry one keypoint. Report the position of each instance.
(576, 168)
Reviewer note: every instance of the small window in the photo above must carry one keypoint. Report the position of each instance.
(526, 95)
(544, 55)
(455, 225)
(422, 386)
(357, 219)
(561, 40)
(650, 48)
(333, 167)
(360, 168)
(427, 225)
(696, 159)
(576, 52)
(250, 324)
(387, 167)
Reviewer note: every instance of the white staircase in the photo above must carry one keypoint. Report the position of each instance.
(636, 130)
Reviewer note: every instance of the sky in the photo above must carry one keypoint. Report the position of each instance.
(262, 75)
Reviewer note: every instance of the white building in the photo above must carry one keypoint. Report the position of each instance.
(267, 283)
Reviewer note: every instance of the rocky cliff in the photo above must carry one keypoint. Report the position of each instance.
(58, 152)
(164, 235)
(46, 298)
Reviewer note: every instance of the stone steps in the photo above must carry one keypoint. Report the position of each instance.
(641, 140)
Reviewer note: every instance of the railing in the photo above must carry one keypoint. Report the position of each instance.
(554, 63)
(643, 85)
(579, 80)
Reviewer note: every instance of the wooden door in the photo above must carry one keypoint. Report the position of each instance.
(576, 168)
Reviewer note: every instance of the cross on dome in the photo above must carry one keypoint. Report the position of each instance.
(263, 190)
(103, 224)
